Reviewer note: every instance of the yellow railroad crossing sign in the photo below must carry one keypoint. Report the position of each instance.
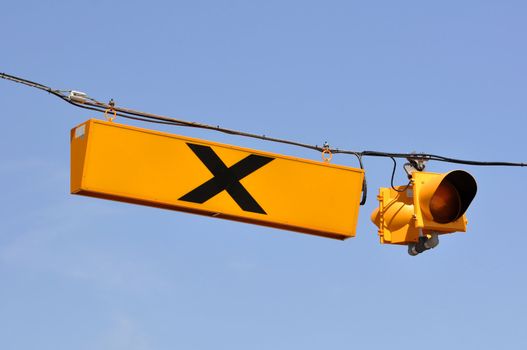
(134, 165)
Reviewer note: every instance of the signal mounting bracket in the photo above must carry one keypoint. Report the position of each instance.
(415, 164)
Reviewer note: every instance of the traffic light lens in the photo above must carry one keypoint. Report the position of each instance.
(445, 204)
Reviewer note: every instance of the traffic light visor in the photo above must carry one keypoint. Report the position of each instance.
(445, 204)
(452, 196)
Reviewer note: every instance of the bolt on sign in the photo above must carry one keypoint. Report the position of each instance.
(140, 166)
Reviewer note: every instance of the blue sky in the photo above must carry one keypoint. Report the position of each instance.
(438, 77)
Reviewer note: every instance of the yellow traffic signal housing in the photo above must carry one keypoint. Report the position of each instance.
(432, 204)
(395, 216)
(441, 200)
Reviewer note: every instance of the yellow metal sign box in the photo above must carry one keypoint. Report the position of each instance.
(134, 165)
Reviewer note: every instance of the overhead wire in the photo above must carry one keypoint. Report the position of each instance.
(92, 104)
(89, 103)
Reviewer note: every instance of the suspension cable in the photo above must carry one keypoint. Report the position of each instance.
(94, 105)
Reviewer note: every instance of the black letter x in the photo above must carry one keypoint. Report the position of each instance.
(227, 179)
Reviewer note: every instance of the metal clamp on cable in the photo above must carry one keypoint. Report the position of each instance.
(112, 110)
(110, 118)
(326, 153)
(77, 96)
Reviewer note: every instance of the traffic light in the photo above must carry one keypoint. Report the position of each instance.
(432, 204)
